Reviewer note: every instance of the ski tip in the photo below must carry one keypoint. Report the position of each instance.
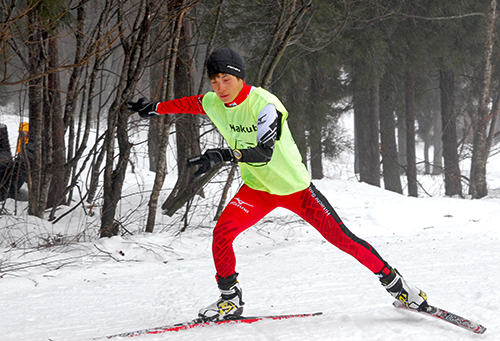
(482, 330)
(446, 316)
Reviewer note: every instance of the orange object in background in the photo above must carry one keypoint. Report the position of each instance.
(24, 129)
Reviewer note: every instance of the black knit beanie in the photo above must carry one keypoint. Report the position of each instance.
(225, 60)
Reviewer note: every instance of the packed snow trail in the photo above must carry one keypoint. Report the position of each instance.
(447, 247)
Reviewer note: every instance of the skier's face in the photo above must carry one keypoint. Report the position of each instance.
(226, 86)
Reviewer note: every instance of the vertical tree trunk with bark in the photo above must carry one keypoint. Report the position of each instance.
(134, 46)
(72, 94)
(437, 163)
(366, 123)
(452, 178)
(390, 166)
(179, 9)
(411, 168)
(187, 126)
(35, 85)
(425, 133)
(281, 41)
(361, 107)
(374, 134)
(98, 62)
(480, 152)
(495, 110)
(427, 146)
(46, 140)
(401, 138)
(315, 145)
(316, 122)
(157, 72)
(113, 178)
(58, 165)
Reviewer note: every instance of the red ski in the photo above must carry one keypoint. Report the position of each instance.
(203, 323)
(448, 317)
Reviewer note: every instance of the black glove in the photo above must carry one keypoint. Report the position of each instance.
(211, 158)
(144, 107)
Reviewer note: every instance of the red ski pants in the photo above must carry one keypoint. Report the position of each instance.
(249, 206)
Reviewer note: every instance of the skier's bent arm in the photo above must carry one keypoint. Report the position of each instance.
(268, 127)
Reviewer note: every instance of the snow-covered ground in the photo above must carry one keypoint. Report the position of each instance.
(96, 287)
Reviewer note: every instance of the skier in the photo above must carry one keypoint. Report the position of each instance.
(254, 123)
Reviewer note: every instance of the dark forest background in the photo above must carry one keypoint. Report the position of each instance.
(408, 70)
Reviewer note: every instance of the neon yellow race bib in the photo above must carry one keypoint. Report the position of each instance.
(285, 173)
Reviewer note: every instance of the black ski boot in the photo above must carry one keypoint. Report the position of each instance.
(408, 294)
(230, 303)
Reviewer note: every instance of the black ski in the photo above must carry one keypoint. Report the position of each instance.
(203, 323)
(446, 316)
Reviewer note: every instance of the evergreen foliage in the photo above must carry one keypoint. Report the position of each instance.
(321, 58)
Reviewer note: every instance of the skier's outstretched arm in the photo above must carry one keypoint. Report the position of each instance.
(184, 105)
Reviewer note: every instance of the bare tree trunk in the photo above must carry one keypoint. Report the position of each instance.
(187, 126)
(480, 151)
(58, 150)
(94, 177)
(401, 125)
(374, 133)
(157, 72)
(182, 194)
(494, 118)
(210, 43)
(72, 96)
(315, 123)
(35, 62)
(437, 163)
(97, 159)
(424, 131)
(411, 169)
(160, 171)
(389, 150)
(46, 139)
(366, 117)
(154, 140)
(361, 108)
(135, 58)
(77, 147)
(188, 192)
(316, 150)
(76, 72)
(272, 43)
(290, 27)
(297, 124)
(452, 178)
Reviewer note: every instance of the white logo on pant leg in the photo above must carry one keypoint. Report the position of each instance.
(239, 203)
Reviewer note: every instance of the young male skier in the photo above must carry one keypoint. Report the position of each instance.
(253, 122)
